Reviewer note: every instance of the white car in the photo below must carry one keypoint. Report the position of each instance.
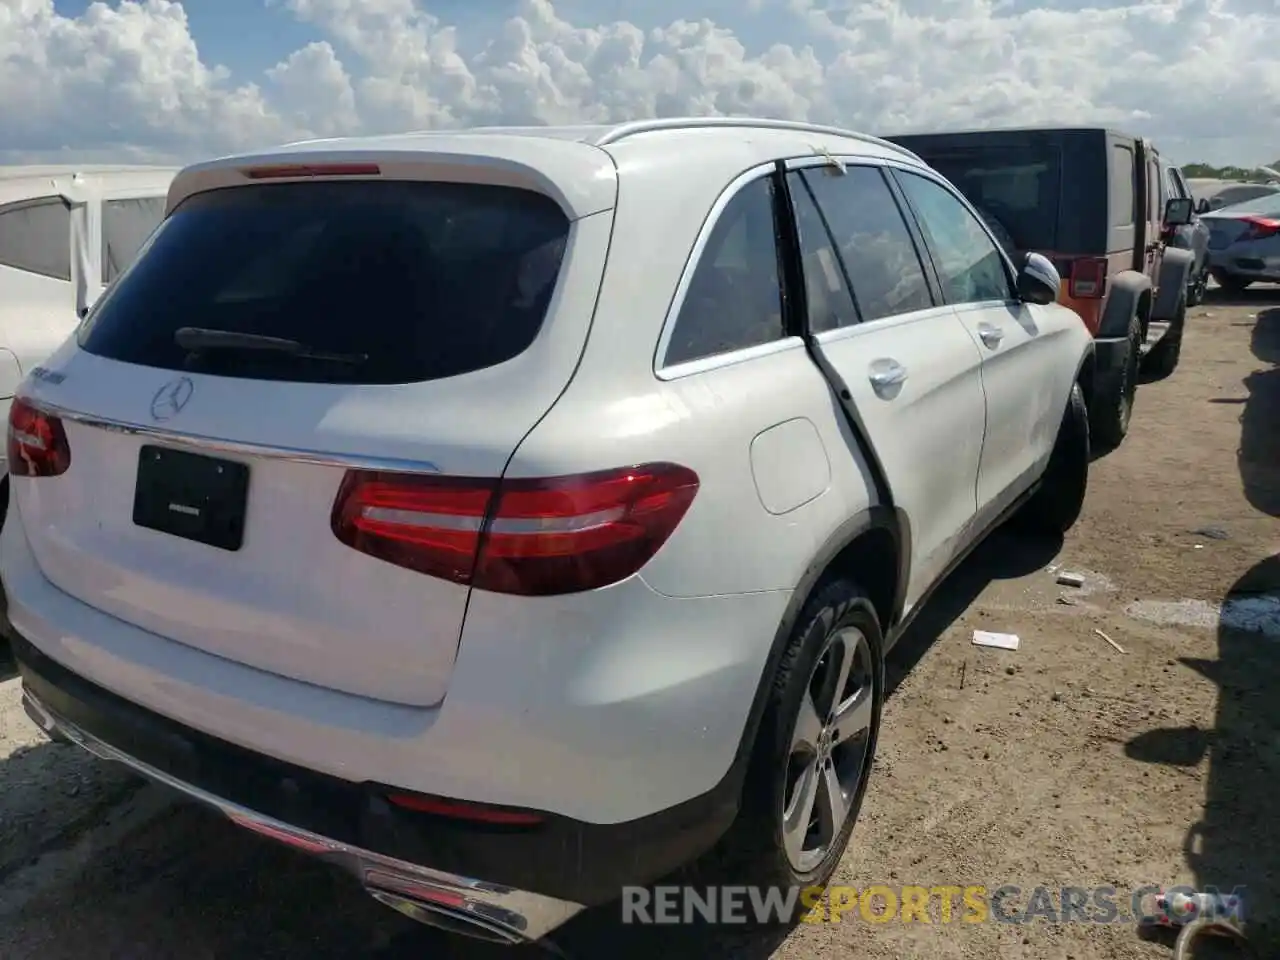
(65, 232)
(514, 515)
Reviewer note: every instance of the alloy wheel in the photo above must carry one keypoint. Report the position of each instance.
(829, 754)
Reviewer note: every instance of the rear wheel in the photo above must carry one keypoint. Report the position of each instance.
(1230, 282)
(1111, 408)
(1162, 360)
(1056, 506)
(812, 757)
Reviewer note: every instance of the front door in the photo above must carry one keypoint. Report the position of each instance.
(1021, 344)
(1153, 206)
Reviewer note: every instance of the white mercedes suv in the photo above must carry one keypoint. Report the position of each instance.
(512, 515)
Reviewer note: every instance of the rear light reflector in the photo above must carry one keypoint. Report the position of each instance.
(538, 537)
(293, 170)
(459, 810)
(1259, 228)
(1088, 278)
(37, 442)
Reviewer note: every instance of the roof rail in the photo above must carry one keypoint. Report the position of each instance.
(630, 129)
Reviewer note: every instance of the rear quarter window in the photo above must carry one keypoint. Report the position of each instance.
(380, 281)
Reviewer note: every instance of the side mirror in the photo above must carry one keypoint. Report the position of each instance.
(1202, 206)
(1038, 280)
(1178, 211)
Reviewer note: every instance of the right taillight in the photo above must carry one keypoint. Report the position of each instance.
(534, 537)
(37, 443)
(1088, 278)
(1259, 228)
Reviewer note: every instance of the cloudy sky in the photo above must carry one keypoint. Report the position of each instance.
(158, 79)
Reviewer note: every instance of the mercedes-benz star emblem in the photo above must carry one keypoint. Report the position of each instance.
(171, 398)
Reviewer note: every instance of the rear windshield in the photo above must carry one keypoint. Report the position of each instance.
(369, 282)
(1016, 191)
(1263, 206)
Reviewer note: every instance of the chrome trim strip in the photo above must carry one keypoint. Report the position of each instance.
(516, 916)
(198, 441)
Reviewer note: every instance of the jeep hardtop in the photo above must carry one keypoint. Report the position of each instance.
(1093, 201)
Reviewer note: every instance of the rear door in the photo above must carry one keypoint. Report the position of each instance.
(1151, 210)
(37, 295)
(1021, 344)
(200, 502)
(908, 363)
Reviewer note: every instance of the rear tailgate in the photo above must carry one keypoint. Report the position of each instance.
(443, 320)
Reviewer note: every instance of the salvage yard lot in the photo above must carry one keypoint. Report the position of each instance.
(1064, 763)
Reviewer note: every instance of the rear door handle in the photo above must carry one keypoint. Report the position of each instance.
(886, 372)
(990, 335)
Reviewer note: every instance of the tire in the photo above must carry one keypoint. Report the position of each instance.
(1111, 408)
(1055, 507)
(1231, 283)
(1162, 360)
(759, 848)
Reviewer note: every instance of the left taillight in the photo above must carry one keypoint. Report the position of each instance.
(1259, 228)
(531, 537)
(37, 442)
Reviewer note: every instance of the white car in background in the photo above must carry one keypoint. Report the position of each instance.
(516, 515)
(65, 233)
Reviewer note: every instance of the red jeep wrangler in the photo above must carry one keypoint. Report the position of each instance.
(1093, 201)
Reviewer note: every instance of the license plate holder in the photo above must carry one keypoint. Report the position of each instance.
(192, 496)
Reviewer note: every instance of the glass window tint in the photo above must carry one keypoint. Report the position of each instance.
(734, 298)
(126, 224)
(1016, 190)
(872, 239)
(968, 261)
(1122, 194)
(378, 281)
(36, 237)
(827, 296)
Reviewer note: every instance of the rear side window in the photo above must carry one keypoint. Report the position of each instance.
(36, 237)
(1122, 194)
(873, 241)
(734, 299)
(1016, 190)
(126, 224)
(369, 282)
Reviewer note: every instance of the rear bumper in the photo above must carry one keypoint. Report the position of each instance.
(599, 728)
(492, 911)
(518, 883)
(1266, 269)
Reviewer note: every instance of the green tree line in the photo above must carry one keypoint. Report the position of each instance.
(1227, 173)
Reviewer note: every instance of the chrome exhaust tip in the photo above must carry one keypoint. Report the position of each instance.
(455, 920)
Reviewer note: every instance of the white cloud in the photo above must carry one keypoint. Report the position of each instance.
(1199, 76)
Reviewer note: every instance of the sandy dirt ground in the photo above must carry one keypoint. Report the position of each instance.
(1064, 764)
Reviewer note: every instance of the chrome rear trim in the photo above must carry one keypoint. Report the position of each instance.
(198, 441)
(477, 908)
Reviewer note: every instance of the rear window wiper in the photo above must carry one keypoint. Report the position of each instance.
(203, 339)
